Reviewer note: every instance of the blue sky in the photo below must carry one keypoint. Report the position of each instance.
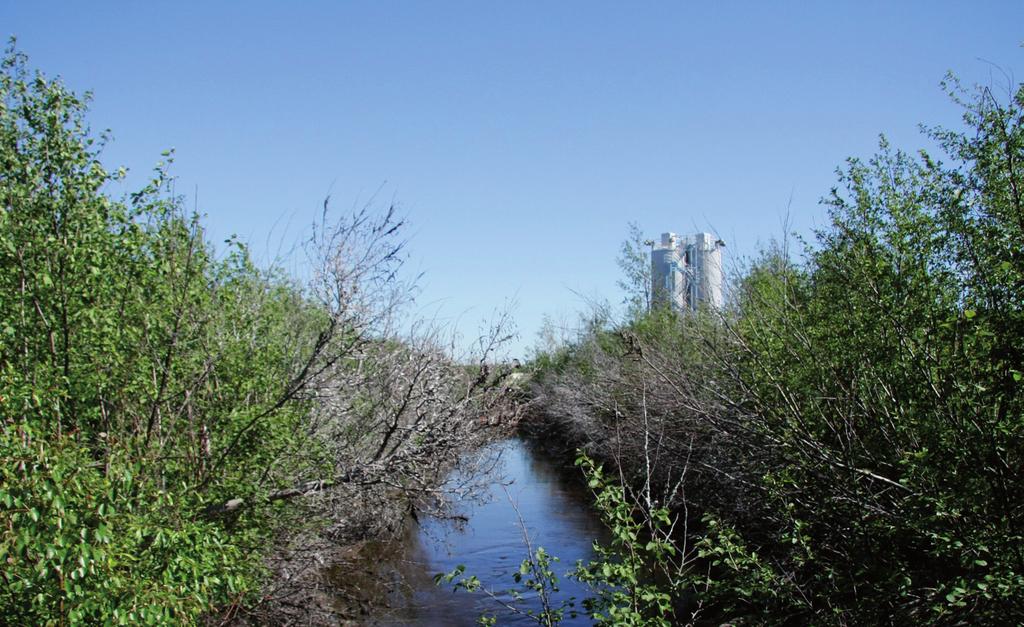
(518, 138)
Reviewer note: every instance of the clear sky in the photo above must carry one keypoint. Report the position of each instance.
(519, 138)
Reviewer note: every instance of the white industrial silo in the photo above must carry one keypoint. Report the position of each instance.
(686, 273)
(704, 257)
(668, 273)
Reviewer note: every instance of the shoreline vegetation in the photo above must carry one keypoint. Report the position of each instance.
(187, 436)
(842, 443)
(191, 438)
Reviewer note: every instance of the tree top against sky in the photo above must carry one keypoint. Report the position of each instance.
(521, 139)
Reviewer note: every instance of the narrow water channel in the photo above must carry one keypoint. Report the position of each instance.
(490, 544)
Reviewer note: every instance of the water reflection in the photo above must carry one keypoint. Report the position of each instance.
(490, 545)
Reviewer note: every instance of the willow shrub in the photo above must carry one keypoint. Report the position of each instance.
(142, 381)
(851, 427)
(882, 381)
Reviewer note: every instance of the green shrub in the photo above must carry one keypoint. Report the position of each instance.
(142, 383)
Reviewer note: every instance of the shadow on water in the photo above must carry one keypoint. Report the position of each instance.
(490, 544)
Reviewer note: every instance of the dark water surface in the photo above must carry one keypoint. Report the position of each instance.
(557, 517)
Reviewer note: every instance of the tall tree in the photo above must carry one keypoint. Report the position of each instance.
(634, 261)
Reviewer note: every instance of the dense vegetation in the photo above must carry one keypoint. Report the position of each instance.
(187, 435)
(180, 427)
(843, 444)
